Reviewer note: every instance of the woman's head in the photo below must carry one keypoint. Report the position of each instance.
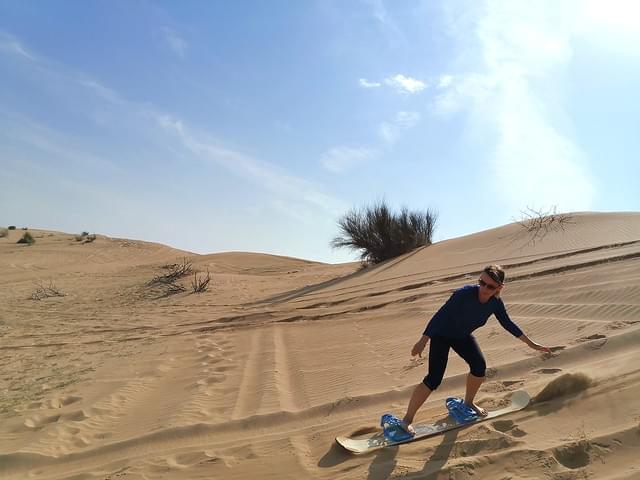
(496, 273)
(491, 282)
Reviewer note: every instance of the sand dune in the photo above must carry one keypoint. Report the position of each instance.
(255, 377)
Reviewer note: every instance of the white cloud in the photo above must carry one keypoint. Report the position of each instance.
(367, 84)
(390, 132)
(522, 43)
(342, 158)
(404, 84)
(175, 42)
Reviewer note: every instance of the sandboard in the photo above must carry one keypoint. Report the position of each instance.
(519, 400)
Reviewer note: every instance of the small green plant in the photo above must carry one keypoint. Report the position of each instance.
(27, 238)
(12, 227)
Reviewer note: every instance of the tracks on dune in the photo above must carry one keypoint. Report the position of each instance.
(315, 306)
(292, 428)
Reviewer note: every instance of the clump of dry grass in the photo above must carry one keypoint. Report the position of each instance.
(85, 237)
(27, 238)
(175, 271)
(200, 284)
(43, 292)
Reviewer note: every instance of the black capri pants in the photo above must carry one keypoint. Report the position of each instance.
(466, 347)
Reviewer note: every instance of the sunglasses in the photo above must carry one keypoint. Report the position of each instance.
(482, 283)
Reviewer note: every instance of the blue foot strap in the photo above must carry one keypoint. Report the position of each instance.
(460, 411)
(392, 428)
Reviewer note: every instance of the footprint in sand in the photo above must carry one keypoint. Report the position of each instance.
(508, 426)
(63, 401)
(548, 371)
(595, 336)
(594, 341)
(574, 455)
(223, 369)
(39, 421)
(210, 380)
(190, 459)
(511, 383)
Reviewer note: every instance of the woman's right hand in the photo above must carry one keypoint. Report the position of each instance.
(419, 347)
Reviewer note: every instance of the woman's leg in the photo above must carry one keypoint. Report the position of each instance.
(438, 356)
(469, 350)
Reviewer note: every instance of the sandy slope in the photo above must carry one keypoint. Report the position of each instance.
(254, 378)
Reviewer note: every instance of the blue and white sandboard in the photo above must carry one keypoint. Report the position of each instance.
(374, 441)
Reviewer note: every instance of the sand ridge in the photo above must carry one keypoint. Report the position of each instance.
(255, 377)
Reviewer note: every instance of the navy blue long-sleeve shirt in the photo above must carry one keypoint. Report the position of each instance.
(463, 313)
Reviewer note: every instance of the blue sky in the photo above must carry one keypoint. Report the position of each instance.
(254, 125)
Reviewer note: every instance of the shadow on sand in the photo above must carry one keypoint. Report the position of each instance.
(384, 462)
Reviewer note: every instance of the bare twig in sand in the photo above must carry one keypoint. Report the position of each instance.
(200, 284)
(176, 271)
(42, 292)
(537, 224)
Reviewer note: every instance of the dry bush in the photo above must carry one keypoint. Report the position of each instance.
(42, 291)
(536, 224)
(380, 234)
(200, 284)
(175, 271)
(85, 237)
(27, 238)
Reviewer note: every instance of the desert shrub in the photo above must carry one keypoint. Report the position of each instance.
(4, 232)
(84, 237)
(27, 238)
(12, 227)
(381, 234)
(175, 272)
(200, 284)
(537, 224)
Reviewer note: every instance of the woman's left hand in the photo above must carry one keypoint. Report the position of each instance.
(542, 348)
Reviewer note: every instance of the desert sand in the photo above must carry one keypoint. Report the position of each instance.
(254, 378)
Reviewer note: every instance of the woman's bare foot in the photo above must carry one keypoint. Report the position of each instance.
(479, 410)
(407, 427)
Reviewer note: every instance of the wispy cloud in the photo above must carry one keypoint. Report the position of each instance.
(342, 158)
(177, 44)
(532, 159)
(404, 84)
(258, 172)
(444, 81)
(104, 92)
(9, 44)
(390, 131)
(400, 83)
(367, 84)
(153, 123)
